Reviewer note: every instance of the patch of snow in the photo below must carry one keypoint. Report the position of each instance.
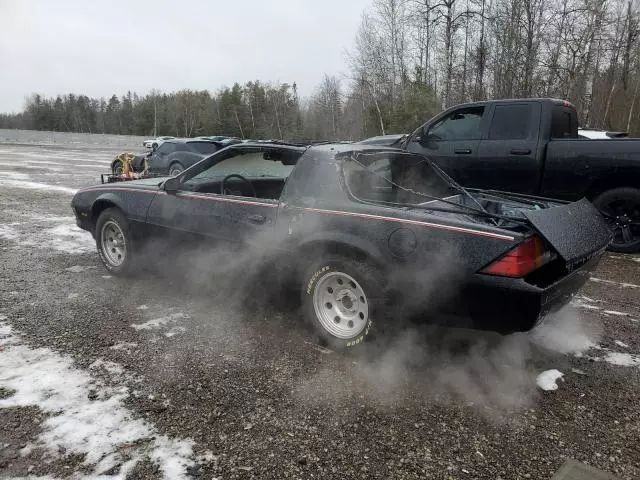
(73, 296)
(125, 346)
(621, 344)
(175, 331)
(36, 186)
(158, 322)
(578, 371)
(14, 175)
(69, 238)
(613, 312)
(622, 359)
(547, 379)
(142, 307)
(97, 429)
(611, 282)
(79, 268)
(106, 276)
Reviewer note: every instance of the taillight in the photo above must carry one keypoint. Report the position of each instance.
(523, 259)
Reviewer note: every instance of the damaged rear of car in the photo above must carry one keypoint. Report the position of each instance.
(400, 228)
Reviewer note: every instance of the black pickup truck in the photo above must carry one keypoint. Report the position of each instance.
(531, 146)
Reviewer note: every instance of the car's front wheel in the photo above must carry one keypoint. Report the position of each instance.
(341, 299)
(621, 209)
(113, 240)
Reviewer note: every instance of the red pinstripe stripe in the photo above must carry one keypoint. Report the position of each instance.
(413, 222)
(369, 216)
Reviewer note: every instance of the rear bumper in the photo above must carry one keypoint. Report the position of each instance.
(509, 305)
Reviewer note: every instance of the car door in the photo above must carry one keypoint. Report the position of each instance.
(159, 159)
(452, 141)
(199, 208)
(509, 156)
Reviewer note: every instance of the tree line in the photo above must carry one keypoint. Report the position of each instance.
(410, 60)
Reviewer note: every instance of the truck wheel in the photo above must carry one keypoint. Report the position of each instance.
(113, 240)
(621, 208)
(175, 169)
(341, 297)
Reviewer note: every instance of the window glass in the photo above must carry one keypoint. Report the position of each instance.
(166, 148)
(561, 125)
(510, 122)
(249, 165)
(394, 178)
(463, 124)
(205, 148)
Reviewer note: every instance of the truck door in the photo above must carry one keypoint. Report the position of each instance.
(452, 141)
(509, 157)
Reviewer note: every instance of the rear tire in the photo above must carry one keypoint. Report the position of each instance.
(114, 243)
(175, 169)
(621, 209)
(117, 168)
(342, 298)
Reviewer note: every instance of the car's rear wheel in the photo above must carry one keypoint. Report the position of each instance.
(117, 168)
(175, 169)
(621, 209)
(341, 299)
(113, 240)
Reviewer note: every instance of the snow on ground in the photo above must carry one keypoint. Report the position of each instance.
(611, 282)
(62, 234)
(159, 322)
(9, 182)
(102, 429)
(547, 379)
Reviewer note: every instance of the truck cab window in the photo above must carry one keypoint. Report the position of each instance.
(511, 122)
(563, 125)
(463, 124)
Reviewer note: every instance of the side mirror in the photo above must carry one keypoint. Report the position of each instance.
(171, 185)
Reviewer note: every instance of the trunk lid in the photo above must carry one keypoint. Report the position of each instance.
(577, 231)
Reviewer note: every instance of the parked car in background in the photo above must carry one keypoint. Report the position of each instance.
(357, 228)
(176, 155)
(595, 134)
(155, 142)
(531, 146)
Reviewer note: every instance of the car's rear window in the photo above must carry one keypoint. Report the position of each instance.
(395, 178)
(206, 148)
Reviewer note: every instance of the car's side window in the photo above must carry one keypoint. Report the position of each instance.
(248, 174)
(463, 124)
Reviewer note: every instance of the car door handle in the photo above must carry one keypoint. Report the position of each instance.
(520, 151)
(463, 151)
(257, 219)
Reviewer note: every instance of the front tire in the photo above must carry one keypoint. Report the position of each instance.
(341, 299)
(621, 209)
(113, 240)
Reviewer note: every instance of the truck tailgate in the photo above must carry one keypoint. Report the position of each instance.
(576, 230)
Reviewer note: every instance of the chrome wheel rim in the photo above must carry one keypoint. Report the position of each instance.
(113, 244)
(340, 305)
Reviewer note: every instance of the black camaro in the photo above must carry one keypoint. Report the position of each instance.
(363, 227)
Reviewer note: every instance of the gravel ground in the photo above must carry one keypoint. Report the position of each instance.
(234, 379)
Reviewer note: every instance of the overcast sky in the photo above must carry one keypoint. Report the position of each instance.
(101, 47)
